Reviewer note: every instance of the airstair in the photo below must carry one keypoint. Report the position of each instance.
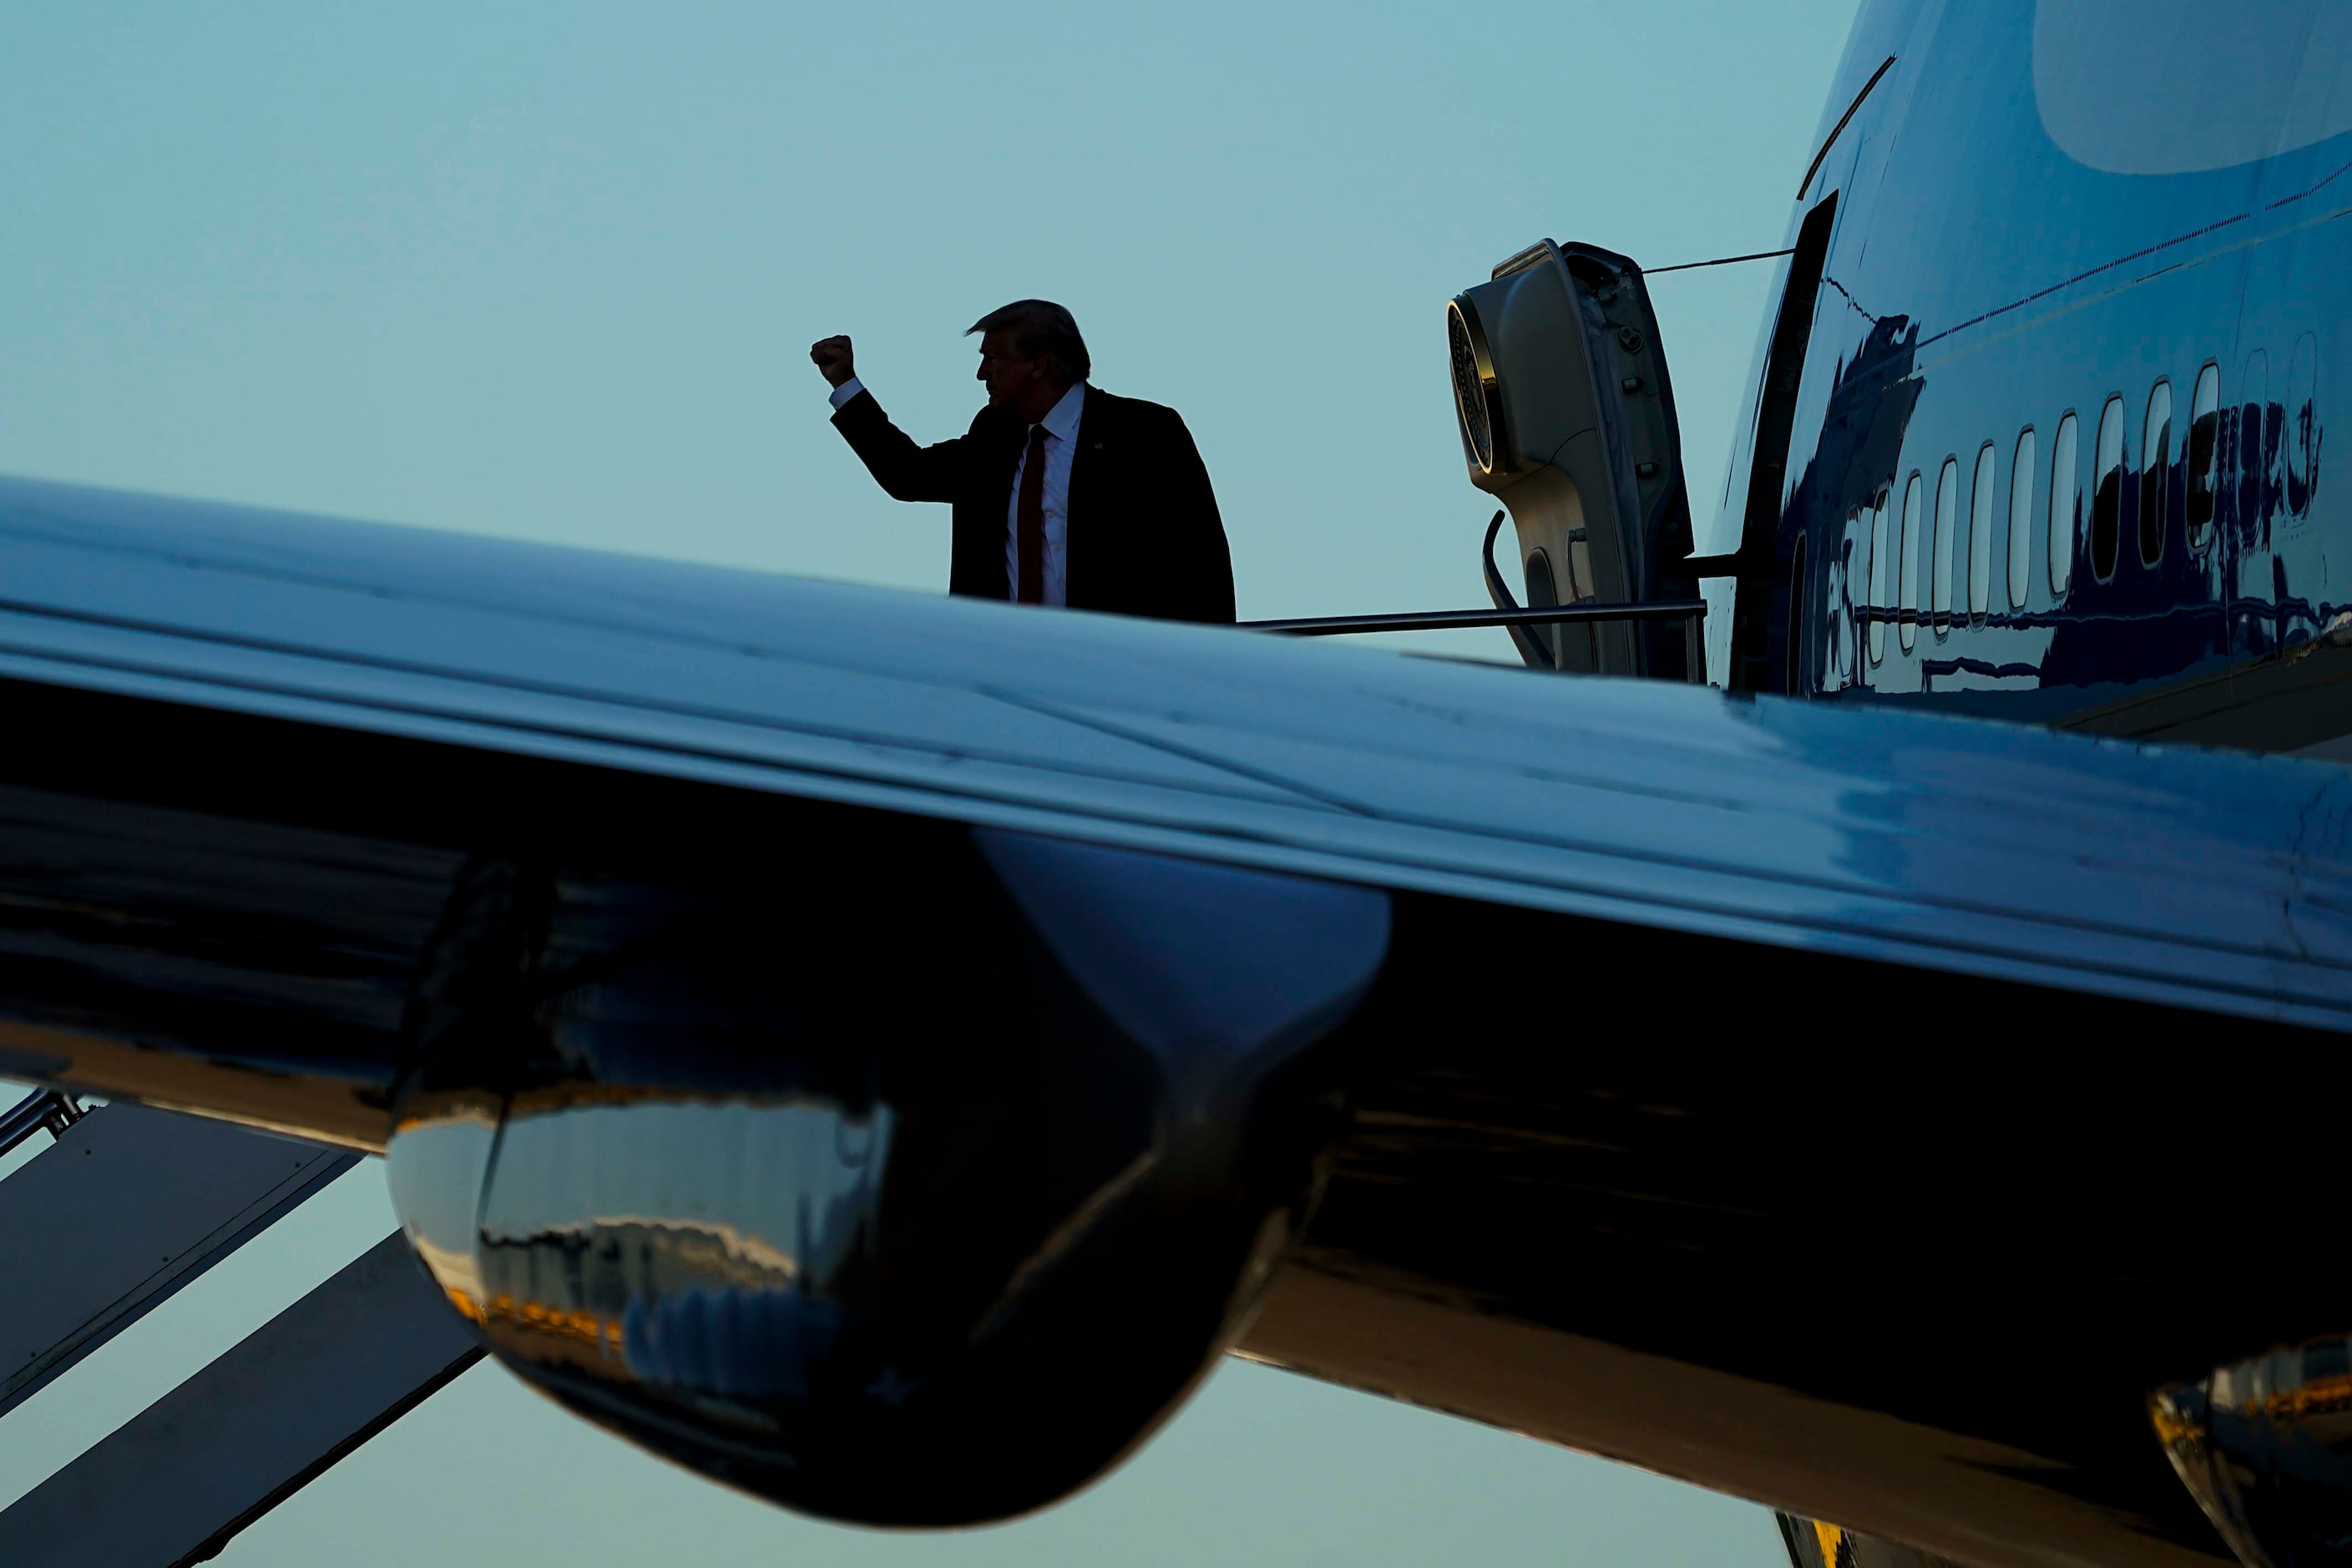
(127, 1205)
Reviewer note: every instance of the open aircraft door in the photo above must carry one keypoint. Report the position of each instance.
(1568, 417)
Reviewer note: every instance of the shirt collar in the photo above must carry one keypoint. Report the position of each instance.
(1061, 421)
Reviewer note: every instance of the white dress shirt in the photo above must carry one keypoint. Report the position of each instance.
(1061, 427)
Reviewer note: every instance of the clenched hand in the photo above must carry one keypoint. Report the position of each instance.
(832, 356)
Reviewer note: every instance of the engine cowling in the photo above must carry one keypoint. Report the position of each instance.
(919, 1201)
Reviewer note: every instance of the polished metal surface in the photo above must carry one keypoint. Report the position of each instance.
(2014, 240)
(127, 1206)
(808, 1016)
(792, 1001)
(926, 1253)
(2185, 876)
(2266, 1447)
(1873, 1245)
(878, 1051)
(2035, 233)
(176, 1482)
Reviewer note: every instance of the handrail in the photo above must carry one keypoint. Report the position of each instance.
(1439, 620)
(44, 1109)
(1507, 615)
(1537, 652)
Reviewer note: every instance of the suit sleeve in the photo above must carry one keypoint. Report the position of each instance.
(903, 470)
(1203, 562)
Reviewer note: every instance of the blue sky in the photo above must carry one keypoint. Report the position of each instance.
(549, 271)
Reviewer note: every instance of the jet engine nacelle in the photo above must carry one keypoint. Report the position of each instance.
(919, 1201)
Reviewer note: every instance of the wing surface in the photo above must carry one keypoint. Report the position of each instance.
(2207, 879)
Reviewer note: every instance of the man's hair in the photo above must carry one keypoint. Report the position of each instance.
(1041, 328)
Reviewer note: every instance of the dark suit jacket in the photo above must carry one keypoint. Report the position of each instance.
(1143, 536)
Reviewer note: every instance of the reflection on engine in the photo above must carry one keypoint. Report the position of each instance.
(2266, 1446)
(710, 1247)
(925, 1246)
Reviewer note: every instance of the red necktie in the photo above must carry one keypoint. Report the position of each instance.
(1029, 528)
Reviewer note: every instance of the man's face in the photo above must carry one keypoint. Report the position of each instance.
(1012, 377)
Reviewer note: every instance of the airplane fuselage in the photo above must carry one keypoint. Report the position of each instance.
(2056, 445)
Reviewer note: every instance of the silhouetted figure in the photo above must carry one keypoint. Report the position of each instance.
(1063, 493)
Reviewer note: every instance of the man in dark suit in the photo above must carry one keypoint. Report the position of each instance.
(1063, 493)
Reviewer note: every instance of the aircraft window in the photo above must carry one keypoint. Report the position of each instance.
(1845, 577)
(1981, 537)
(1848, 591)
(1877, 579)
(2108, 490)
(2204, 454)
(1857, 567)
(1800, 605)
(2253, 458)
(2065, 508)
(2301, 432)
(1947, 507)
(1907, 623)
(2020, 518)
(2155, 473)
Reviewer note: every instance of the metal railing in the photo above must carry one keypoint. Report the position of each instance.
(48, 1111)
(1513, 617)
(1441, 620)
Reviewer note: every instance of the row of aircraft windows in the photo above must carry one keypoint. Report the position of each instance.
(2065, 533)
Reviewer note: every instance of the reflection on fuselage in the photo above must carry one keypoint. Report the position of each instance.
(1984, 285)
(2114, 222)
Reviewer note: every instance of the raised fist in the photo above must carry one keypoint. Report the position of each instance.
(832, 356)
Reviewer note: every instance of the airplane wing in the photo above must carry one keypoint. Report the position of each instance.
(2207, 880)
(1838, 1108)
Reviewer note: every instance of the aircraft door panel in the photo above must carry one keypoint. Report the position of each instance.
(1547, 513)
(1566, 416)
(1757, 570)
